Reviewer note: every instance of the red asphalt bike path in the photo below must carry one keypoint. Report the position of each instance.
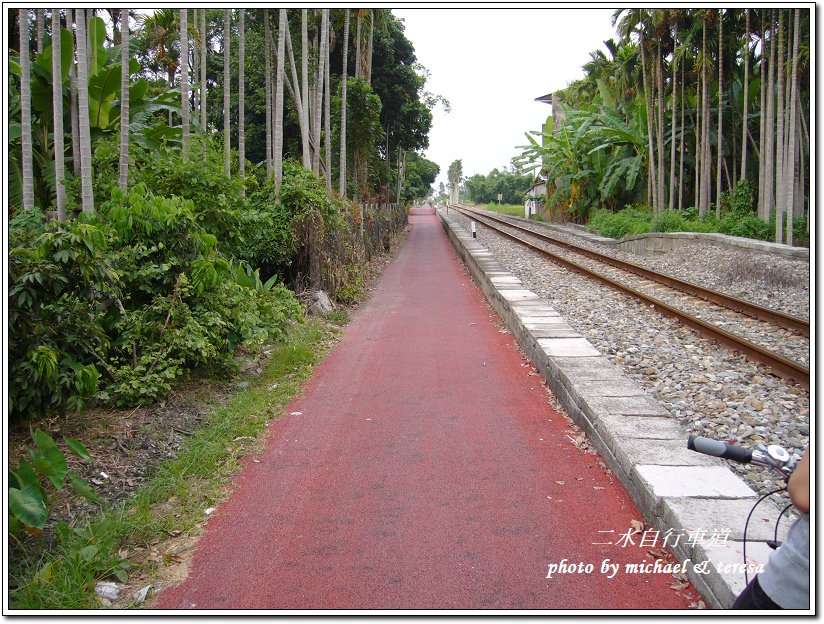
(426, 470)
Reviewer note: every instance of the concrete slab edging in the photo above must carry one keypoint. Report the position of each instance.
(675, 489)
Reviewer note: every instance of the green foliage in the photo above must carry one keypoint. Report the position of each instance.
(597, 156)
(140, 293)
(739, 199)
(737, 219)
(59, 277)
(619, 224)
(484, 189)
(44, 469)
(420, 175)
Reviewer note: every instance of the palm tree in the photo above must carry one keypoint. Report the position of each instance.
(299, 96)
(25, 111)
(762, 133)
(184, 80)
(704, 192)
(57, 105)
(344, 80)
(87, 195)
(324, 44)
(793, 113)
(746, 93)
(304, 89)
(720, 112)
(779, 152)
(671, 203)
(267, 72)
(358, 29)
(204, 44)
(241, 103)
(161, 28)
(123, 180)
(283, 26)
(227, 85)
(327, 122)
(41, 18)
(769, 142)
(368, 72)
(75, 127)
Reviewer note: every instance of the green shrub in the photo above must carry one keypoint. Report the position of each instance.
(61, 278)
(120, 305)
(627, 222)
(668, 221)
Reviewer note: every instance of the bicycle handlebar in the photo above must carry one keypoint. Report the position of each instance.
(716, 448)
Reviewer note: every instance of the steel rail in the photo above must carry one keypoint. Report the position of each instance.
(785, 321)
(778, 364)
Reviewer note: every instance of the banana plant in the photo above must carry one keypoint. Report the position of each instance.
(104, 108)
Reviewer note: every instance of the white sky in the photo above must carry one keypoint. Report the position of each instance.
(491, 64)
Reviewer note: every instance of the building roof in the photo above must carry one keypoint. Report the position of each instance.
(547, 99)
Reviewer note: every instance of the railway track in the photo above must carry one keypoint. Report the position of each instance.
(780, 365)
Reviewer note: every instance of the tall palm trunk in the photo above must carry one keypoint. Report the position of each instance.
(343, 111)
(267, 55)
(283, 25)
(702, 202)
(762, 114)
(87, 195)
(57, 105)
(660, 78)
(324, 41)
(706, 157)
(227, 85)
(745, 107)
(327, 115)
(41, 18)
(671, 203)
(241, 97)
(25, 111)
(720, 147)
(769, 142)
(652, 191)
(203, 47)
(699, 124)
(123, 179)
(790, 178)
(75, 128)
(304, 78)
(779, 133)
(184, 80)
(368, 73)
(681, 146)
(295, 90)
(358, 28)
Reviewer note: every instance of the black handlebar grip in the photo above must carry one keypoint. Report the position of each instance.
(716, 448)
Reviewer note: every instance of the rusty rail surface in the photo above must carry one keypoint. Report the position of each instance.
(785, 321)
(778, 364)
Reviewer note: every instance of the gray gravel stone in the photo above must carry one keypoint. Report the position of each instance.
(706, 388)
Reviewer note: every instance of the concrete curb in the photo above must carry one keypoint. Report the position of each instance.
(642, 444)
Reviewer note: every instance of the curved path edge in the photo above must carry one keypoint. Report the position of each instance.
(641, 442)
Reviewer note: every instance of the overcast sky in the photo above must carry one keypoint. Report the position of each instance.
(491, 64)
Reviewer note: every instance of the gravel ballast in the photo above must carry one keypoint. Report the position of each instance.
(706, 388)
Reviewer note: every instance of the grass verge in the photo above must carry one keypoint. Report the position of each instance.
(129, 537)
(513, 210)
